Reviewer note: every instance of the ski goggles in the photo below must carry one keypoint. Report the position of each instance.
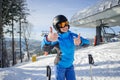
(63, 24)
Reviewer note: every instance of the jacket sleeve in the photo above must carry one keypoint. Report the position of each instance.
(47, 45)
(84, 42)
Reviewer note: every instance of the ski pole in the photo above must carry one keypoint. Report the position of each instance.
(48, 73)
(91, 62)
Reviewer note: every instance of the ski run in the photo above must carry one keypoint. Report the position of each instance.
(106, 65)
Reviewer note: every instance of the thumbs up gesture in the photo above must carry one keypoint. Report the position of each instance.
(52, 36)
(77, 40)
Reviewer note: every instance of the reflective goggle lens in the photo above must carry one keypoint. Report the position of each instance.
(63, 24)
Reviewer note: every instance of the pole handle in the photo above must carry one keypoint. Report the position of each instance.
(90, 59)
(48, 74)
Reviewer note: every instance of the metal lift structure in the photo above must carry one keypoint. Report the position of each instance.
(104, 14)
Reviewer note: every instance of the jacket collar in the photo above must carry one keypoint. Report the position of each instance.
(65, 35)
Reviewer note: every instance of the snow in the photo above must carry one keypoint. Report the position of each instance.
(106, 58)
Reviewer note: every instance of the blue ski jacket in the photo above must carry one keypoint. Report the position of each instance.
(67, 47)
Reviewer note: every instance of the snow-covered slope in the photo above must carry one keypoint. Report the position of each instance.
(107, 61)
(106, 58)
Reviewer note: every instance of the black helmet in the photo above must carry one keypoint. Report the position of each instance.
(58, 19)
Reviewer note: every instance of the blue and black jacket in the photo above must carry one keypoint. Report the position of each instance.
(66, 46)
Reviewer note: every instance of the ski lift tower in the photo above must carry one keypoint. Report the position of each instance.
(105, 13)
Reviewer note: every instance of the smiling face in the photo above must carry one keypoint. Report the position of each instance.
(64, 29)
(64, 26)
